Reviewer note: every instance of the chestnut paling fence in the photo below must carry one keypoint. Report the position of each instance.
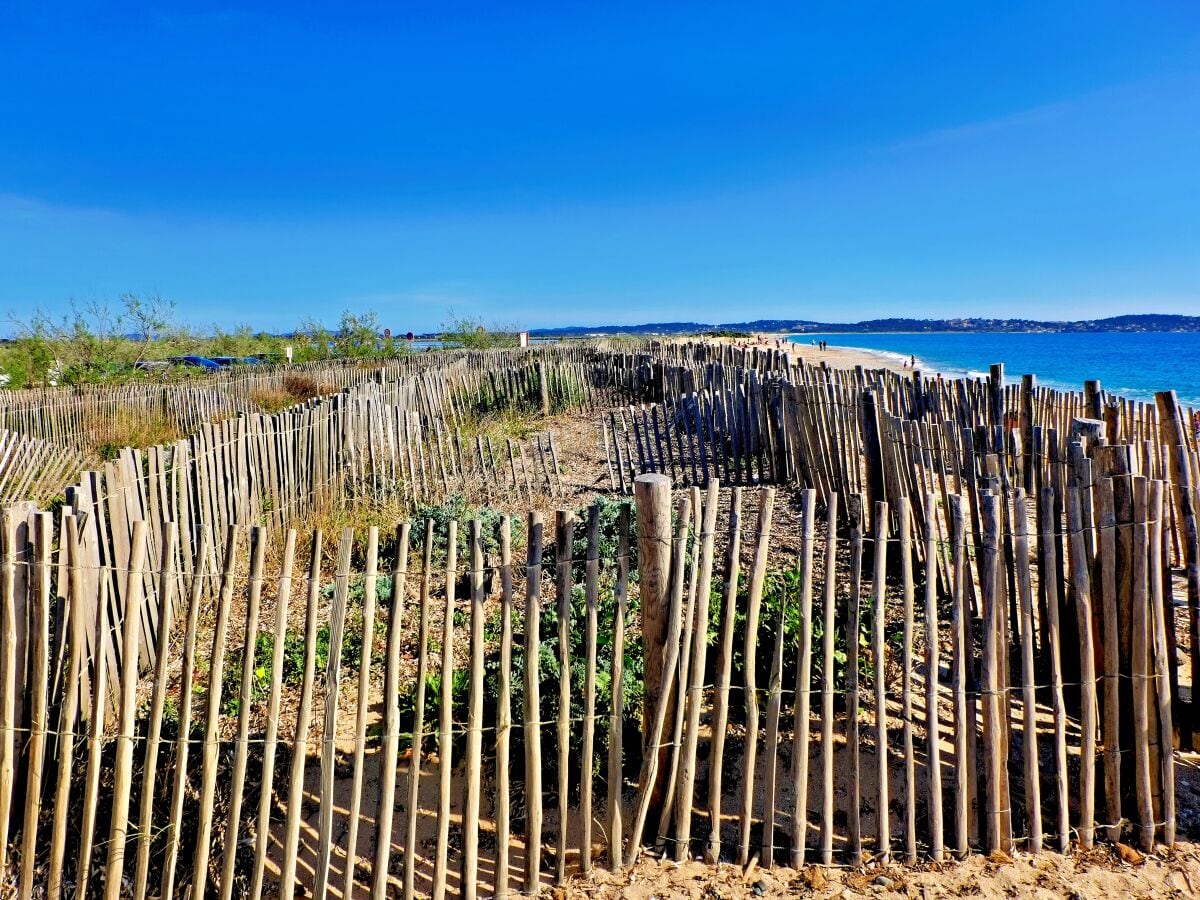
(684, 694)
(1006, 562)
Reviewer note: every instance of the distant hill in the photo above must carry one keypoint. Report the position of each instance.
(1146, 322)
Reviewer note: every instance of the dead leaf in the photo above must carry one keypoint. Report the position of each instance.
(1128, 855)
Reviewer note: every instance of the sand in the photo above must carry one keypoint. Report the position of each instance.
(1099, 873)
(837, 356)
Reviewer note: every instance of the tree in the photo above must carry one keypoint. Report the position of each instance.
(92, 341)
(357, 335)
(313, 341)
(149, 319)
(471, 334)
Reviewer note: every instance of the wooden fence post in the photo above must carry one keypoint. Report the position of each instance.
(828, 679)
(1183, 484)
(532, 713)
(724, 667)
(503, 713)
(872, 449)
(932, 674)
(652, 501)
(878, 657)
(617, 715)
(1081, 580)
(651, 759)
(800, 745)
(695, 683)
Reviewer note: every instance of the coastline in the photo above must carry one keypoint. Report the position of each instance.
(1139, 376)
(835, 356)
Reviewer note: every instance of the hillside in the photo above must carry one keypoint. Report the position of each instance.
(1128, 323)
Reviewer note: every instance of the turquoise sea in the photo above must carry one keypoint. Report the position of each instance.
(1134, 365)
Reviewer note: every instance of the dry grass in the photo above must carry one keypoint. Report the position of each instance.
(303, 387)
(295, 388)
(108, 437)
(271, 401)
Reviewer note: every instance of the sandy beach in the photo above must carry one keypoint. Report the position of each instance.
(838, 357)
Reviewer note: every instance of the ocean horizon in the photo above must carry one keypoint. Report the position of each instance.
(1130, 364)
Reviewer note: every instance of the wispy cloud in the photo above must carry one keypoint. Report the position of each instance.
(985, 127)
(22, 208)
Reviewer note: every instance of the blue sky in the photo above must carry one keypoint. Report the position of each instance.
(583, 163)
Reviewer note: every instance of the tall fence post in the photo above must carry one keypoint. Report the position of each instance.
(872, 449)
(652, 498)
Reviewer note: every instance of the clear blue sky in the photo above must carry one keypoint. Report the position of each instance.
(604, 162)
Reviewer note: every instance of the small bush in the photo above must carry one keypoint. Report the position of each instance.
(109, 437)
(456, 509)
(272, 401)
(301, 387)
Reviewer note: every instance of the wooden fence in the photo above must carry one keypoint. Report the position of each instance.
(751, 417)
(1029, 539)
(945, 724)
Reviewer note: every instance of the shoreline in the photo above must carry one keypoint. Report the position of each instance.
(847, 357)
(838, 356)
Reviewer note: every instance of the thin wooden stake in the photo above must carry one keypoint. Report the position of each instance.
(933, 748)
(766, 505)
(295, 800)
(166, 599)
(258, 543)
(1033, 793)
(853, 628)
(733, 554)
(212, 718)
(184, 738)
(474, 761)
(367, 643)
(962, 665)
(38, 678)
(333, 689)
(800, 744)
(828, 680)
(616, 722)
(532, 713)
(592, 599)
(446, 716)
(418, 733)
(879, 591)
(1081, 578)
(1048, 568)
(503, 713)
(69, 710)
(904, 515)
(271, 738)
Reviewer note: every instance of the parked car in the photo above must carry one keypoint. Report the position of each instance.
(226, 361)
(198, 362)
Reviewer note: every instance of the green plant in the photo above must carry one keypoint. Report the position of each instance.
(472, 334)
(456, 509)
(231, 699)
(781, 603)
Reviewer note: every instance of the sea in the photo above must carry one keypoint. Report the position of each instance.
(1131, 364)
(1135, 364)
